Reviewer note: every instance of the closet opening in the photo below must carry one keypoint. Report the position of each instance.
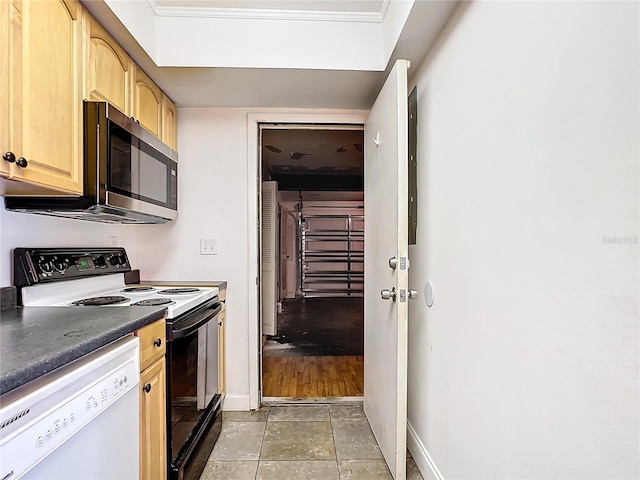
(312, 263)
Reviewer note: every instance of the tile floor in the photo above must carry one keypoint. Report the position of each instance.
(298, 443)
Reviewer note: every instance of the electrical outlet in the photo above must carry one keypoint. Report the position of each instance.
(208, 246)
(113, 240)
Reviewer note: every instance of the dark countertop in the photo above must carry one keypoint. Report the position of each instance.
(181, 283)
(37, 340)
(133, 277)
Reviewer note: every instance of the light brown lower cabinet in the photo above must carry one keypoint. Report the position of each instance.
(153, 440)
(153, 402)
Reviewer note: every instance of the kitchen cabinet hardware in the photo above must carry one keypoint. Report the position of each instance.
(147, 388)
(157, 342)
(11, 158)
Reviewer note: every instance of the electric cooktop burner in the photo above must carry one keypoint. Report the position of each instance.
(179, 291)
(99, 301)
(153, 302)
(137, 289)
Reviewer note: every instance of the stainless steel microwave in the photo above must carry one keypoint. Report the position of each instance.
(129, 175)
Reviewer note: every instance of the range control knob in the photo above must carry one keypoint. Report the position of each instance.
(45, 266)
(60, 264)
(99, 261)
(117, 260)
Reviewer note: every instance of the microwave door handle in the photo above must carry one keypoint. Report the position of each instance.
(196, 321)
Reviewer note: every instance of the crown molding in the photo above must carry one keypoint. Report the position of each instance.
(270, 14)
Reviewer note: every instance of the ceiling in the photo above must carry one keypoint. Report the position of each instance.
(319, 165)
(308, 5)
(342, 88)
(303, 159)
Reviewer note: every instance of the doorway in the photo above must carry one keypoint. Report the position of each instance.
(312, 262)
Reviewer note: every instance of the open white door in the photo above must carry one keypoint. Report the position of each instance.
(386, 229)
(268, 258)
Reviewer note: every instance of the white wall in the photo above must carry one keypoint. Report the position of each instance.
(26, 230)
(528, 154)
(213, 203)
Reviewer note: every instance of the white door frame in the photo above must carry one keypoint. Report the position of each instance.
(334, 117)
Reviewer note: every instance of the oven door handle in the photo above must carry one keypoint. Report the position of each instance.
(196, 321)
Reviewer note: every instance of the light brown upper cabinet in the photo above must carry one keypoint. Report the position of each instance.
(109, 74)
(4, 87)
(44, 102)
(169, 123)
(147, 102)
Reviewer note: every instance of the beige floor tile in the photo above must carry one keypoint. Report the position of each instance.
(243, 470)
(239, 441)
(298, 470)
(319, 413)
(298, 441)
(345, 413)
(355, 441)
(363, 470)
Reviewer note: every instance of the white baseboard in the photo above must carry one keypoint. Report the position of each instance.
(236, 403)
(423, 460)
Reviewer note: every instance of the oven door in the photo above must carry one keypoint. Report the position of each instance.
(192, 380)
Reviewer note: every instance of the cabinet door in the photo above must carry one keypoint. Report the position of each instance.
(222, 319)
(152, 343)
(169, 123)
(45, 93)
(153, 448)
(5, 8)
(147, 102)
(109, 72)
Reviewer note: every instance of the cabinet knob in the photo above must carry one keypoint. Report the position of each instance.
(22, 162)
(147, 388)
(9, 157)
(157, 342)
(220, 324)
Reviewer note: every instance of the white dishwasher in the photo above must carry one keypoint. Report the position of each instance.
(80, 421)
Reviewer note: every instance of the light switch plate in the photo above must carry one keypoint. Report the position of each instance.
(208, 246)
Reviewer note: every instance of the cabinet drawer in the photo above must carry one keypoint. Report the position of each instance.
(152, 343)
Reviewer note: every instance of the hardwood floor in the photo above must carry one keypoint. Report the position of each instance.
(313, 376)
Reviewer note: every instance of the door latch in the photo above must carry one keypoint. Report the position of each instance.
(404, 263)
(387, 294)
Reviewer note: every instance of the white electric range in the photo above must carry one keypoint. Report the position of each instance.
(81, 277)
(111, 290)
